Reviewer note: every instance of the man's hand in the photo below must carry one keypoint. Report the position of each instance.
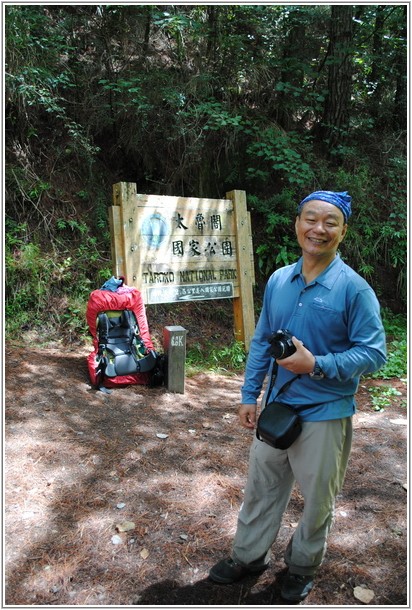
(247, 416)
(302, 361)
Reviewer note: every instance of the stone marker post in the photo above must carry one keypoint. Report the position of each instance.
(174, 342)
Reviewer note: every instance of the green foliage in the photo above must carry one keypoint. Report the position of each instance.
(383, 396)
(231, 357)
(220, 359)
(48, 292)
(195, 100)
(72, 320)
(397, 357)
(396, 365)
(28, 275)
(217, 116)
(393, 235)
(396, 325)
(278, 152)
(377, 231)
(35, 80)
(279, 246)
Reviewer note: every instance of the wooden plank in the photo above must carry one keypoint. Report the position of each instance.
(124, 196)
(252, 264)
(187, 203)
(116, 241)
(130, 221)
(243, 307)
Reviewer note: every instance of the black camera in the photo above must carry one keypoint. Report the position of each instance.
(281, 344)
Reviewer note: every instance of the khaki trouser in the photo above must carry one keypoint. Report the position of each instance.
(317, 460)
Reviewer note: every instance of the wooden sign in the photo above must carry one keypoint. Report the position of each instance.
(176, 249)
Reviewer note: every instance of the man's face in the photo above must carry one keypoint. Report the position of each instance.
(320, 228)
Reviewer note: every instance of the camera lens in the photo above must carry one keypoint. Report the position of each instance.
(278, 350)
(281, 344)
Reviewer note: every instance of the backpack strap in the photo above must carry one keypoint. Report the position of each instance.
(103, 326)
(127, 319)
(136, 341)
(126, 345)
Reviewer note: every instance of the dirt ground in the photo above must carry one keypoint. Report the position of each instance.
(80, 466)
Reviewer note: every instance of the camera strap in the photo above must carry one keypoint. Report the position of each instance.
(273, 379)
(284, 388)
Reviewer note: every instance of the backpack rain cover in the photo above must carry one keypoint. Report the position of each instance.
(101, 301)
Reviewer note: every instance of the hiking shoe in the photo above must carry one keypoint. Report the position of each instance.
(296, 587)
(227, 571)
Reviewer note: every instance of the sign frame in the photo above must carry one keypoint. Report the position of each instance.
(176, 249)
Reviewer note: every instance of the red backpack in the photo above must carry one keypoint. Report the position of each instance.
(123, 351)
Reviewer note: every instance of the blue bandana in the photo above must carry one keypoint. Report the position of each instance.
(341, 200)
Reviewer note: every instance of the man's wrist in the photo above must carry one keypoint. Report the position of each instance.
(317, 372)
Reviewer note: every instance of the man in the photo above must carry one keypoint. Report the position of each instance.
(334, 317)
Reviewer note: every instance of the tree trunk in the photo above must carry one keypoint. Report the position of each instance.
(337, 106)
(147, 29)
(212, 33)
(377, 58)
(400, 68)
(292, 73)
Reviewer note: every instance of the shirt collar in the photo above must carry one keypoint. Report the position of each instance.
(328, 276)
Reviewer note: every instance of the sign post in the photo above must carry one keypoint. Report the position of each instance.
(243, 309)
(177, 249)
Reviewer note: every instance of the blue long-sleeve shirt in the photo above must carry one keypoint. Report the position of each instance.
(337, 316)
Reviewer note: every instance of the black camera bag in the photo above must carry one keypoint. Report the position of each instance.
(279, 424)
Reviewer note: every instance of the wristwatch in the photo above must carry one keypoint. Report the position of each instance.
(317, 372)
